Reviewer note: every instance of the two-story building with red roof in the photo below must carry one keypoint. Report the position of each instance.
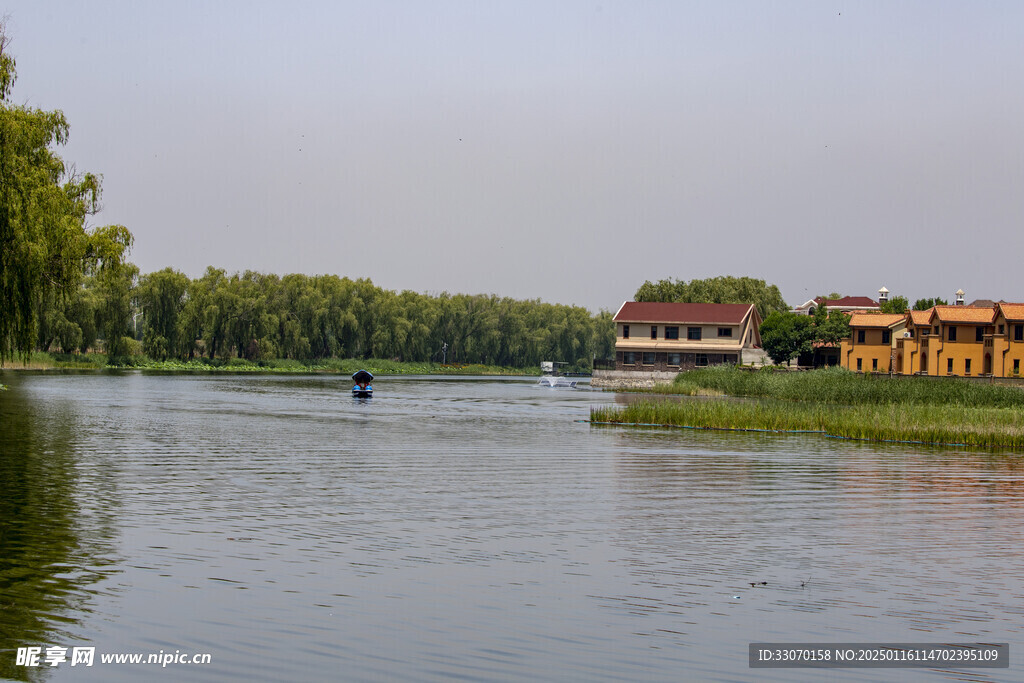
(846, 304)
(670, 337)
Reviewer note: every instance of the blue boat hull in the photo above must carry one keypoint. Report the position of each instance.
(362, 389)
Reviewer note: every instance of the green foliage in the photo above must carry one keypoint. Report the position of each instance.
(785, 335)
(161, 298)
(830, 327)
(897, 304)
(716, 290)
(115, 284)
(45, 247)
(925, 304)
(259, 317)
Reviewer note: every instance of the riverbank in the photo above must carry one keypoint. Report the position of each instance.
(837, 403)
(839, 386)
(83, 362)
(948, 425)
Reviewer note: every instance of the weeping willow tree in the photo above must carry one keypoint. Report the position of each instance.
(45, 243)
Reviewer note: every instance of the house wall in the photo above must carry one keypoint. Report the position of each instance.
(874, 354)
(639, 332)
(663, 361)
(905, 355)
(965, 348)
(1012, 349)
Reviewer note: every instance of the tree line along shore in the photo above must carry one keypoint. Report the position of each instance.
(68, 287)
(836, 403)
(300, 320)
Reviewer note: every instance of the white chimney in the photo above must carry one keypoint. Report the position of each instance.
(883, 295)
(959, 297)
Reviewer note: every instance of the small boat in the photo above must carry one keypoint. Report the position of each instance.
(363, 388)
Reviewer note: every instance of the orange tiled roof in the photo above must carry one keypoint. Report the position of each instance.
(964, 314)
(923, 318)
(876, 319)
(1012, 311)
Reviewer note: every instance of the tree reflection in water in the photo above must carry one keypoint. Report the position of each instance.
(51, 542)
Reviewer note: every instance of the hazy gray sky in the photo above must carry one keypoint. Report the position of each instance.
(565, 151)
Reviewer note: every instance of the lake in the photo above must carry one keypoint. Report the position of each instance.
(474, 529)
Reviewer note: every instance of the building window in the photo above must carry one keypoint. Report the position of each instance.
(672, 332)
(648, 358)
(874, 363)
(860, 362)
(629, 358)
(949, 365)
(654, 331)
(886, 336)
(1018, 333)
(910, 333)
(625, 331)
(952, 333)
(1016, 366)
(675, 358)
(701, 359)
(724, 331)
(693, 332)
(979, 334)
(936, 331)
(729, 358)
(967, 366)
(1000, 329)
(860, 336)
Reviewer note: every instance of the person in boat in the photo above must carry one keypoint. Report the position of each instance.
(362, 380)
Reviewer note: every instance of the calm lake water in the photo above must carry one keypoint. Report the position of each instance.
(475, 529)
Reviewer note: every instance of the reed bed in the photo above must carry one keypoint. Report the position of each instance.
(985, 427)
(839, 386)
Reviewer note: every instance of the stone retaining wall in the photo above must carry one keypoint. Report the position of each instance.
(630, 379)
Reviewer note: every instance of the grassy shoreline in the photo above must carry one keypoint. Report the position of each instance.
(839, 404)
(98, 362)
(836, 385)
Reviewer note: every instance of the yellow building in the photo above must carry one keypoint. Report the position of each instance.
(944, 341)
(909, 360)
(1007, 344)
(871, 346)
(956, 341)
